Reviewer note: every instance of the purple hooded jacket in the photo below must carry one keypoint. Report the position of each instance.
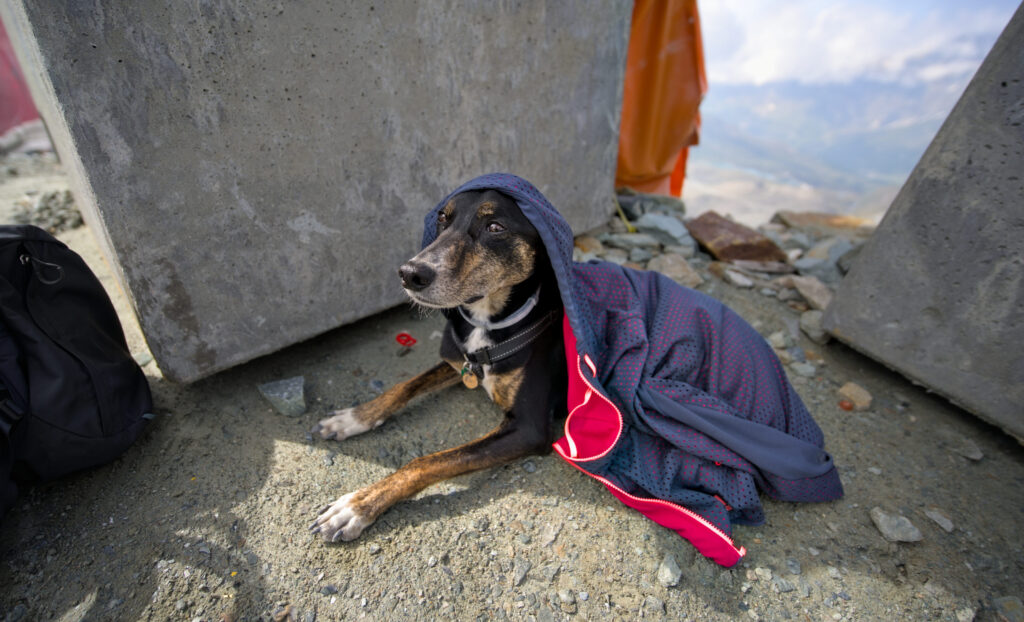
(676, 404)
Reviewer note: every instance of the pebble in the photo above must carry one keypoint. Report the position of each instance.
(629, 241)
(549, 533)
(857, 394)
(669, 572)
(583, 596)
(874, 470)
(894, 527)
(653, 604)
(286, 396)
(763, 574)
(807, 370)
(667, 229)
(329, 589)
(779, 340)
(940, 519)
(811, 325)
(519, 569)
(373, 548)
(793, 566)
(589, 244)
(738, 279)
(968, 449)
(781, 586)
(529, 466)
(675, 267)
(640, 255)
(1009, 608)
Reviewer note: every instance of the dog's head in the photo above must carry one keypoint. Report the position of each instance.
(484, 247)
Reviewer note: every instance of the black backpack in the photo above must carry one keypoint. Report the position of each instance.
(71, 395)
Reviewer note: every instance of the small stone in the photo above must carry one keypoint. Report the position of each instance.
(968, 449)
(529, 466)
(519, 569)
(940, 519)
(373, 548)
(667, 229)
(811, 325)
(180, 605)
(653, 604)
(895, 528)
(286, 396)
(806, 370)
(781, 586)
(549, 533)
(675, 267)
(583, 596)
(738, 279)
(640, 255)
(1009, 608)
(779, 340)
(833, 572)
(551, 571)
(629, 241)
(329, 589)
(377, 385)
(566, 596)
(616, 256)
(966, 614)
(763, 574)
(793, 566)
(589, 244)
(669, 572)
(857, 394)
(817, 294)
(874, 470)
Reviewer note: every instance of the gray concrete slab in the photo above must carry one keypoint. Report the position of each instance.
(938, 291)
(258, 170)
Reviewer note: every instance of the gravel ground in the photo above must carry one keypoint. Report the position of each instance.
(205, 517)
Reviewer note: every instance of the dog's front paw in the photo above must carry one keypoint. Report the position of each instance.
(342, 520)
(342, 424)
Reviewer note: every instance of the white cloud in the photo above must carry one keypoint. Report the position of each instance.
(823, 41)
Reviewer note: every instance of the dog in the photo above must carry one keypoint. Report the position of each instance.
(489, 274)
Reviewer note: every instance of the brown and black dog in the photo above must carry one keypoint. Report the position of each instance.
(489, 273)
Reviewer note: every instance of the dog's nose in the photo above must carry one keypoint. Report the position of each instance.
(416, 276)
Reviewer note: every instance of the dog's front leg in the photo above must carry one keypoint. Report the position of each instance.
(358, 419)
(347, 517)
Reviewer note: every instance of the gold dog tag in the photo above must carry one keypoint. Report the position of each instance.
(469, 378)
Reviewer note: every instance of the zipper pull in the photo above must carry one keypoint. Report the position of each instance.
(39, 266)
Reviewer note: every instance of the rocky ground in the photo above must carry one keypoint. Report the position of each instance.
(205, 517)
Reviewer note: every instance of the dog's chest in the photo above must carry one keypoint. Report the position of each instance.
(479, 339)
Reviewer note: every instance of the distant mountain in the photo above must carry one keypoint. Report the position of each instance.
(856, 136)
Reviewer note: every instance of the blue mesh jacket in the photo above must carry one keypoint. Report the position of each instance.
(676, 404)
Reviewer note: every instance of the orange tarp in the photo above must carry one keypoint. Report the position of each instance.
(664, 85)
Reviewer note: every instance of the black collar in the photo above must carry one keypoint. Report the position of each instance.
(492, 354)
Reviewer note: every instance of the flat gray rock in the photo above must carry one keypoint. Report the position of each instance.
(286, 396)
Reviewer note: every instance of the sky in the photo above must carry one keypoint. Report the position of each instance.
(829, 41)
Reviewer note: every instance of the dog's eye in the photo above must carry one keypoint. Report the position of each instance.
(495, 227)
(442, 219)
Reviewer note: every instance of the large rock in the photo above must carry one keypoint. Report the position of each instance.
(728, 240)
(257, 171)
(937, 293)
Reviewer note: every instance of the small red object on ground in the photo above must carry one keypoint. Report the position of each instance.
(405, 339)
(846, 404)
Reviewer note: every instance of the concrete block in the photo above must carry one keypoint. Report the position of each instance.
(938, 292)
(257, 171)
